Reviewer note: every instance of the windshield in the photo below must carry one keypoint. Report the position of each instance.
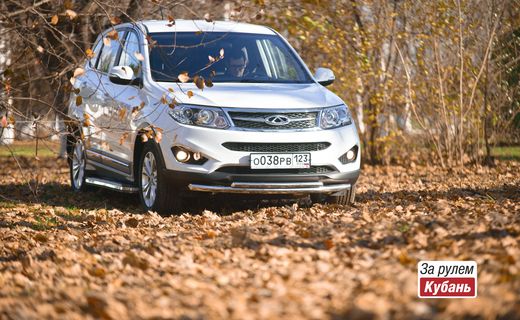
(224, 57)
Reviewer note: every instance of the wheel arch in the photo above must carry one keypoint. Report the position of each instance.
(138, 149)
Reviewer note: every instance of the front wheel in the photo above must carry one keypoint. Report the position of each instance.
(77, 163)
(345, 197)
(155, 192)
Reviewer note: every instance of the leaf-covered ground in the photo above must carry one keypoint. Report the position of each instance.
(94, 255)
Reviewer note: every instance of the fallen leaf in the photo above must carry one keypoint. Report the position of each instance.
(89, 53)
(122, 113)
(71, 14)
(199, 82)
(132, 222)
(183, 77)
(115, 20)
(113, 34)
(139, 56)
(329, 244)
(55, 20)
(78, 72)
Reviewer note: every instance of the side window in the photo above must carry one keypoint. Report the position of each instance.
(109, 53)
(130, 52)
(96, 50)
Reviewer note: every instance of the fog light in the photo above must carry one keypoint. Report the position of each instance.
(351, 155)
(196, 156)
(182, 155)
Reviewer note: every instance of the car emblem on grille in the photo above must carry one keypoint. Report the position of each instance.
(277, 120)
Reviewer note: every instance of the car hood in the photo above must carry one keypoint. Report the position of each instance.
(255, 95)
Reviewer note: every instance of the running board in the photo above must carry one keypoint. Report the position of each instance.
(118, 186)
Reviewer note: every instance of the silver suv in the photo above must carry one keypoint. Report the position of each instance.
(163, 109)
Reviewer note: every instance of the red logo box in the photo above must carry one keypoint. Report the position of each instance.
(447, 279)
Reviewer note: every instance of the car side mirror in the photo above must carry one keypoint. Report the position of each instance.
(324, 76)
(123, 75)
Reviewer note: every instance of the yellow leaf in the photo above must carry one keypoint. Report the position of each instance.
(40, 49)
(211, 59)
(79, 100)
(189, 93)
(89, 53)
(106, 42)
(54, 20)
(221, 53)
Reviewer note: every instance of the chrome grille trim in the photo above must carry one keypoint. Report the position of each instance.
(255, 119)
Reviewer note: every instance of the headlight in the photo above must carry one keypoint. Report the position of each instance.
(335, 117)
(200, 116)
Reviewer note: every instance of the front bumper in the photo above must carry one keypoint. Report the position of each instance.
(229, 171)
(219, 182)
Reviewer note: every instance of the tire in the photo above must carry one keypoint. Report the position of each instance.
(344, 198)
(155, 192)
(77, 166)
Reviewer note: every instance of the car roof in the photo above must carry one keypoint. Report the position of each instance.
(180, 25)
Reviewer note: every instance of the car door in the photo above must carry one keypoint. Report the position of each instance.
(123, 98)
(91, 106)
(96, 93)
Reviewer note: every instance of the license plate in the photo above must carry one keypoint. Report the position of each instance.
(280, 160)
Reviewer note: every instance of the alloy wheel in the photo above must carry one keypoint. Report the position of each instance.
(78, 165)
(149, 179)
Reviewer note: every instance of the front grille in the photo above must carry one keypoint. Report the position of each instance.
(276, 147)
(256, 120)
(248, 170)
